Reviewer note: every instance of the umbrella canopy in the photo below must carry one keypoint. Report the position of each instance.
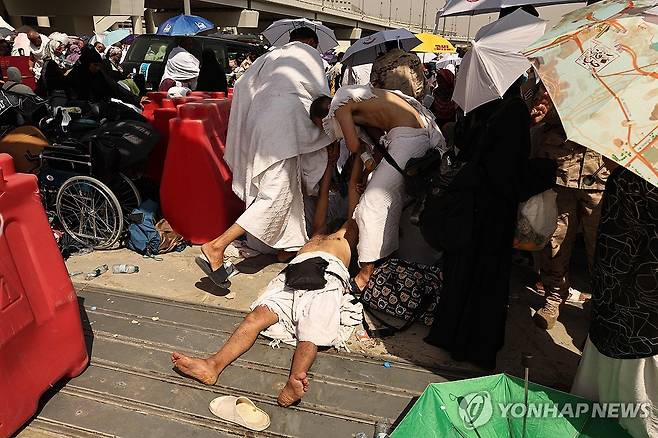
(433, 44)
(599, 66)
(129, 39)
(426, 57)
(472, 408)
(494, 62)
(185, 25)
(115, 36)
(278, 33)
(474, 7)
(366, 49)
(449, 59)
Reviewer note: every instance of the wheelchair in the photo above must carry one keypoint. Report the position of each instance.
(90, 199)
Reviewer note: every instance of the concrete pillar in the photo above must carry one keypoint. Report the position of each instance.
(150, 23)
(137, 24)
(348, 33)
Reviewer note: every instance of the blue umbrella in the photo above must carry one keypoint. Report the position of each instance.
(185, 25)
(115, 36)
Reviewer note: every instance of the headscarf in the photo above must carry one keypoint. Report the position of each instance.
(182, 67)
(14, 75)
(52, 45)
(73, 53)
(443, 106)
(113, 51)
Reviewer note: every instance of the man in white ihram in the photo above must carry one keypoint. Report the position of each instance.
(275, 152)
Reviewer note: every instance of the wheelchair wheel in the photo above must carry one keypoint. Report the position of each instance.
(89, 212)
(127, 194)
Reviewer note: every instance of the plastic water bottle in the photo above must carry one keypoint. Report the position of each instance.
(382, 428)
(96, 272)
(125, 269)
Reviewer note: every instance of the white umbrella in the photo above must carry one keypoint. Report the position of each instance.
(472, 7)
(448, 59)
(426, 57)
(278, 33)
(495, 62)
(366, 49)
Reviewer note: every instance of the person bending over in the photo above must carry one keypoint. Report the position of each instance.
(410, 131)
(312, 317)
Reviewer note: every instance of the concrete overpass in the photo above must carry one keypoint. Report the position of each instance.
(248, 16)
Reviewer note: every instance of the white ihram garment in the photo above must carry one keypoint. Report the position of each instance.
(182, 67)
(325, 317)
(380, 207)
(273, 146)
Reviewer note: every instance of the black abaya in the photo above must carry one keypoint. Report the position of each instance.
(471, 318)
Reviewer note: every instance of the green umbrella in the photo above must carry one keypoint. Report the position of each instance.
(494, 407)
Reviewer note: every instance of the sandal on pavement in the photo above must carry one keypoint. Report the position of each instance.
(219, 276)
(240, 410)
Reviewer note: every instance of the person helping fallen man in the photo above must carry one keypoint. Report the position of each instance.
(409, 131)
(275, 152)
(308, 304)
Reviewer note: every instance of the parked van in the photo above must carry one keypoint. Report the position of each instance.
(148, 53)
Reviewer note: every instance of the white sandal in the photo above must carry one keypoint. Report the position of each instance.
(240, 410)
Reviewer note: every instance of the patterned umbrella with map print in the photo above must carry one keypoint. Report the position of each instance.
(600, 67)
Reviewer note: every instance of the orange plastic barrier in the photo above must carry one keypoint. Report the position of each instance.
(223, 108)
(195, 193)
(155, 163)
(41, 338)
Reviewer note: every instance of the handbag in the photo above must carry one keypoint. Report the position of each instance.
(406, 290)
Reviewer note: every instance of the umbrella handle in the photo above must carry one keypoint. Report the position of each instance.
(526, 358)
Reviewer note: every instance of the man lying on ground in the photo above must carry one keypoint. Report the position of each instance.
(275, 152)
(313, 317)
(410, 132)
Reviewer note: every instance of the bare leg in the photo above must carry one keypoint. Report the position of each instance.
(364, 274)
(297, 384)
(214, 249)
(208, 370)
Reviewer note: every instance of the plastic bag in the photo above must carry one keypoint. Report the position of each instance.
(536, 221)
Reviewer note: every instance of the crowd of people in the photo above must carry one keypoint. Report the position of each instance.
(298, 130)
(320, 154)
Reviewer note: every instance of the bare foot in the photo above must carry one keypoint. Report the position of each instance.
(285, 256)
(215, 257)
(294, 390)
(199, 369)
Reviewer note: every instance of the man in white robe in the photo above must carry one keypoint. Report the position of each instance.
(409, 131)
(275, 152)
(32, 44)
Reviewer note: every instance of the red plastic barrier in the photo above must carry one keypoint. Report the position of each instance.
(41, 338)
(195, 192)
(208, 113)
(202, 94)
(168, 103)
(161, 118)
(23, 64)
(187, 99)
(218, 95)
(223, 107)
